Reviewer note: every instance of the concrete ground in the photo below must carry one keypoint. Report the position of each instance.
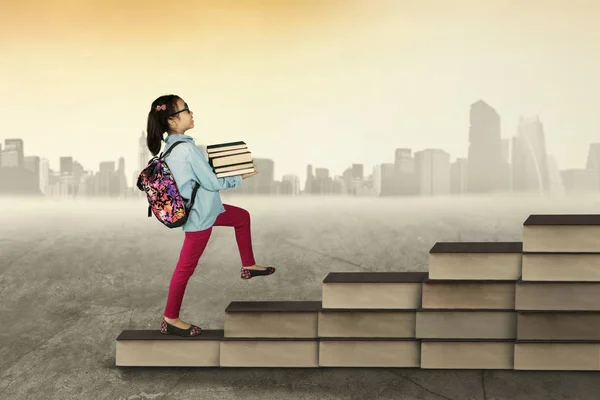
(73, 275)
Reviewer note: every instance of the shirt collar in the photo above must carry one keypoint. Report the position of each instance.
(177, 137)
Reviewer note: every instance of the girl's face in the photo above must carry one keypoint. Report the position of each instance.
(183, 119)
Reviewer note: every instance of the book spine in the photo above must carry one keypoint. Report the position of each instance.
(220, 145)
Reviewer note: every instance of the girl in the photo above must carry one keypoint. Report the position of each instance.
(188, 165)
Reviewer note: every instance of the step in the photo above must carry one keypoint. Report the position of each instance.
(265, 319)
(571, 233)
(558, 325)
(463, 294)
(542, 355)
(369, 352)
(467, 354)
(543, 295)
(561, 267)
(390, 290)
(367, 323)
(466, 324)
(270, 352)
(150, 348)
(475, 260)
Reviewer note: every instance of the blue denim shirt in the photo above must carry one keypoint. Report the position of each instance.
(188, 166)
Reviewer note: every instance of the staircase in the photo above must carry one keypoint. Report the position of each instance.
(531, 305)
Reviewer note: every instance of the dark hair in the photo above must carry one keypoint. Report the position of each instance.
(158, 121)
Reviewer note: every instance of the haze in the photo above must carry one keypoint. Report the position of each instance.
(296, 79)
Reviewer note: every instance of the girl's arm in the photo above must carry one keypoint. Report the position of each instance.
(206, 176)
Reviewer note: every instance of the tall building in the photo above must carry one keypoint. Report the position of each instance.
(144, 154)
(357, 172)
(530, 161)
(349, 185)
(10, 159)
(12, 155)
(32, 164)
(403, 161)
(458, 176)
(121, 176)
(15, 148)
(78, 174)
(485, 150)
(593, 162)
(322, 183)
(66, 165)
(321, 173)
(384, 179)
(406, 180)
(261, 183)
(309, 179)
(433, 170)
(290, 185)
(105, 178)
(44, 175)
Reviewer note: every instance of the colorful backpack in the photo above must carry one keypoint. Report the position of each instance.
(164, 198)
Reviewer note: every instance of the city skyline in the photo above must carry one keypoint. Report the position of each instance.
(295, 80)
(493, 164)
(134, 163)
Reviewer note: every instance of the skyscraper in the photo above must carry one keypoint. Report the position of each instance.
(66, 165)
(261, 183)
(433, 171)
(484, 166)
(593, 162)
(144, 154)
(458, 176)
(530, 161)
(406, 181)
(12, 155)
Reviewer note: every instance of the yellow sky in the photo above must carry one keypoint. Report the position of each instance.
(296, 79)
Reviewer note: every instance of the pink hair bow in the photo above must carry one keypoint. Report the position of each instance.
(163, 107)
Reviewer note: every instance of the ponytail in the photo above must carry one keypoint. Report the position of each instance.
(158, 121)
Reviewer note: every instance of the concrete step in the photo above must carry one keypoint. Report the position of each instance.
(369, 352)
(475, 260)
(468, 294)
(561, 267)
(542, 355)
(466, 324)
(467, 354)
(558, 325)
(365, 290)
(544, 295)
(270, 352)
(571, 233)
(361, 323)
(266, 319)
(150, 348)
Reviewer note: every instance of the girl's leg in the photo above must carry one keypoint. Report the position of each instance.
(193, 247)
(240, 220)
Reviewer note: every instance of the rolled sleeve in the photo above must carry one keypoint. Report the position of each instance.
(206, 176)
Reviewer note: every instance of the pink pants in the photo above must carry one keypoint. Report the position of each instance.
(193, 247)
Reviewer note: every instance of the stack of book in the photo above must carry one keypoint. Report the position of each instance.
(230, 159)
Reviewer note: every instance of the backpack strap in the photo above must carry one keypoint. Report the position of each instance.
(193, 197)
(170, 148)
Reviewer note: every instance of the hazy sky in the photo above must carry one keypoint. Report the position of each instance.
(301, 81)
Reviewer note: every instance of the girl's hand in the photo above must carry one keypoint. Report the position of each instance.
(249, 174)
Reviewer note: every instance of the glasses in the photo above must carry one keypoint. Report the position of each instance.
(180, 111)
